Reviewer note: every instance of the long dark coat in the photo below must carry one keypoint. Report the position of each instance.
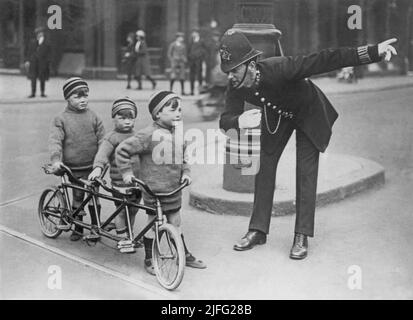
(39, 58)
(143, 66)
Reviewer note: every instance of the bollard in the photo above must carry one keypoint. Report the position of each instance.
(242, 152)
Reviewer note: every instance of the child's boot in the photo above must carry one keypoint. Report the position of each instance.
(147, 243)
(190, 260)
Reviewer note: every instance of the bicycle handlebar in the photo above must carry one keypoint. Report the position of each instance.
(102, 182)
(69, 173)
(159, 195)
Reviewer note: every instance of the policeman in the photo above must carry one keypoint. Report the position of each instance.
(288, 101)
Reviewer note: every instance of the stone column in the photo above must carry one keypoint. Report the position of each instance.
(172, 18)
(100, 40)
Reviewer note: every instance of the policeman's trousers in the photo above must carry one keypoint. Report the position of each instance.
(307, 156)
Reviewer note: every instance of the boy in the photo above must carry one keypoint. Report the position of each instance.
(166, 110)
(74, 139)
(124, 112)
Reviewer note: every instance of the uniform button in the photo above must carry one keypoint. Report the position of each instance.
(268, 104)
(262, 99)
(274, 107)
(279, 111)
(257, 93)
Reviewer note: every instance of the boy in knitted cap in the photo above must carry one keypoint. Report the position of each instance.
(74, 139)
(160, 175)
(124, 112)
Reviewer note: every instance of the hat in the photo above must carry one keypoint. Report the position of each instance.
(158, 100)
(39, 29)
(235, 49)
(124, 103)
(140, 33)
(73, 84)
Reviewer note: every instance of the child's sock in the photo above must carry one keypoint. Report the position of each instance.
(93, 215)
(183, 241)
(147, 243)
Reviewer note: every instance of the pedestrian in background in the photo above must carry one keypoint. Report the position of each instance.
(38, 61)
(196, 56)
(129, 57)
(143, 66)
(177, 58)
(211, 36)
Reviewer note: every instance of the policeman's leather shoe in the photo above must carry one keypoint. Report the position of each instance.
(250, 240)
(300, 246)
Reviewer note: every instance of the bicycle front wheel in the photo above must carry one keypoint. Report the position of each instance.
(50, 211)
(169, 257)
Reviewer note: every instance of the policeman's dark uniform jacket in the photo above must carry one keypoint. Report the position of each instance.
(289, 102)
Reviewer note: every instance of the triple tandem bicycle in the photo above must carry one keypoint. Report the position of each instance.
(56, 215)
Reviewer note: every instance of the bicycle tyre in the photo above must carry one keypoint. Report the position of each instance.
(170, 241)
(58, 206)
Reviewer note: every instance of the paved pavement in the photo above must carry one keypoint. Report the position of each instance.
(16, 88)
(369, 233)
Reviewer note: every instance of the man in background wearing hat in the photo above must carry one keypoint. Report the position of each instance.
(196, 56)
(37, 62)
(288, 101)
(178, 59)
(142, 66)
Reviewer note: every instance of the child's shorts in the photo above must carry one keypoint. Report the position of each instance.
(134, 197)
(168, 212)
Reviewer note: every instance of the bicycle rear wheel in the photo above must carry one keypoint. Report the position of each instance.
(168, 257)
(50, 212)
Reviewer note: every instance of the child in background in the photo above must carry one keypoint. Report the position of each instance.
(74, 138)
(166, 110)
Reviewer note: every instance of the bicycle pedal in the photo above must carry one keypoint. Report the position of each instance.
(124, 243)
(81, 213)
(64, 227)
(138, 244)
(92, 237)
(127, 250)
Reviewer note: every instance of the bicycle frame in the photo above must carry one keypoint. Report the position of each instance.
(92, 195)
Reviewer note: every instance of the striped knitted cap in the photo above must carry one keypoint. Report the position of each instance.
(158, 100)
(124, 103)
(73, 84)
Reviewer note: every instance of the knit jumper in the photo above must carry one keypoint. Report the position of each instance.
(75, 137)
(163, 161)
(106, 154)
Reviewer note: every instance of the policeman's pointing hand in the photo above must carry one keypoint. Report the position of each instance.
(249, 119)
(386, 50)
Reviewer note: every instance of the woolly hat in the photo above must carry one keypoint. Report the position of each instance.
(158, 100)
(73, 84)
(124, 103)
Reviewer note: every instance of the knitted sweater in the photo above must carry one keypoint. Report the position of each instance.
(74, 138)
(106, 154)
(163, 161)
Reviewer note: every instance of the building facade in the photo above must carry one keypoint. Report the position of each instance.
(94, 31)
